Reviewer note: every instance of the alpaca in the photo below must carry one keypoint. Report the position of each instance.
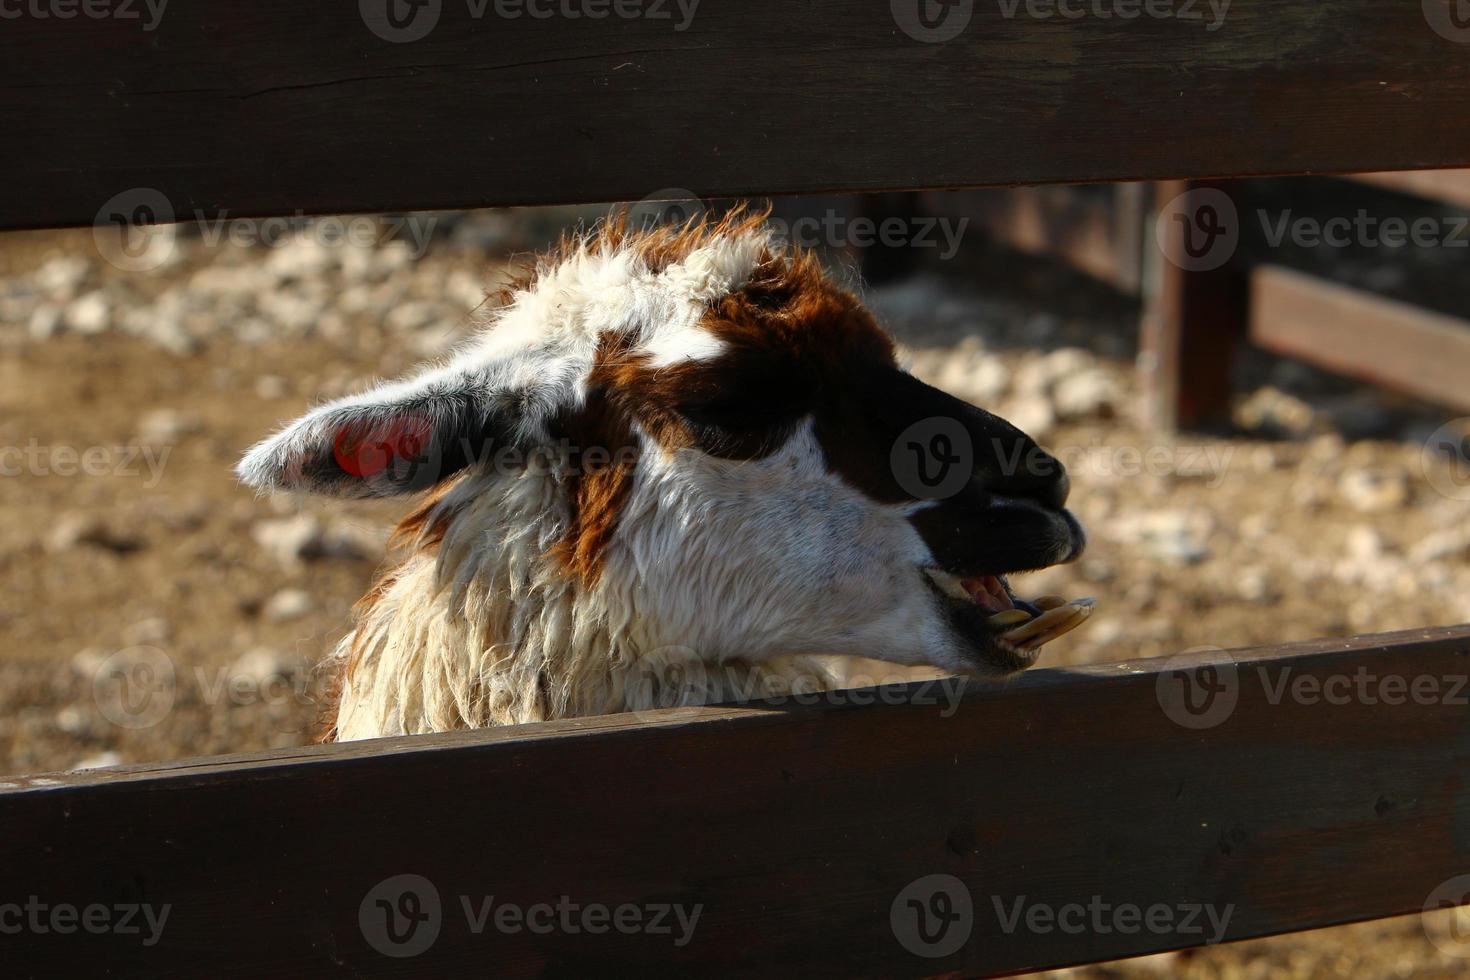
(673, 469)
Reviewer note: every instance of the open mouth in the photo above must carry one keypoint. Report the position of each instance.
(1008, 631)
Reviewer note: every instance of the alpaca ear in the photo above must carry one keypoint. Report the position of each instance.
(393, 439)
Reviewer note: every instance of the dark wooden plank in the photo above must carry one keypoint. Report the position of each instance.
(1359, 334)
(268, 106)
(794, 827)
(1194, 306)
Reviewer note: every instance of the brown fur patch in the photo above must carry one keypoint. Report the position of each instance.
(603, 453)
(796, 342)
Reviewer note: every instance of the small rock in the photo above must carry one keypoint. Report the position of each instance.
(73, 530)
(45, 322)
(90, 314)
(288, 604)
(166, 426)
(1274, 412)
(146, 632)
(300, 257)
(1178, 537)
(1041, 374)
(1091, 393)
(1452, 543)
(1373, 491)
(1254, 584)
(290, 540)
(413, 315)
(271, 387)
(354, 541)
(1365, 544)
(63, 275)
(72, 720)
(291, 310)
(262, 667)
(1032, 414)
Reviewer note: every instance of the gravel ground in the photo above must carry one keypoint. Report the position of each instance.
(126, 397)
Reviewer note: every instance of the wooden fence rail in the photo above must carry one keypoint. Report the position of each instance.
(1082, 814)
(257, 107)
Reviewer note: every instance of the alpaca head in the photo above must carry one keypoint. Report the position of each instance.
(724, 455)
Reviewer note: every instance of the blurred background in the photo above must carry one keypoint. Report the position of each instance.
(1242, 481)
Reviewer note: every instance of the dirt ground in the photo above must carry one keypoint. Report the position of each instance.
(126, 398)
